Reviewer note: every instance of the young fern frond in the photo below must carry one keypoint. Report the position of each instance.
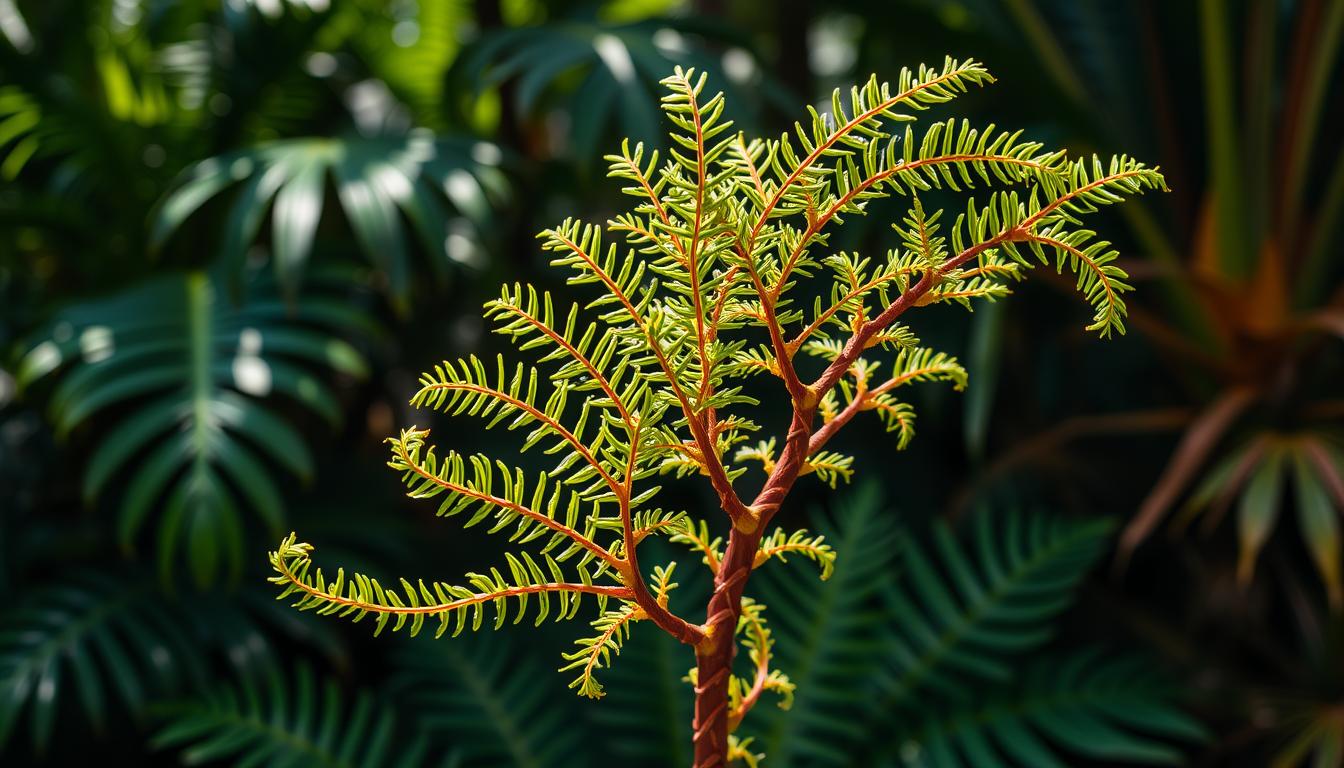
(548, 510)
(779, 545)
(613, 629)
(467, 388)
(829, 467)
(596, 652)
(757, 640)
(454, 607)
(696, 535)
(923, 364)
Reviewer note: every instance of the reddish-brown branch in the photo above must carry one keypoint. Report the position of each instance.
(671, 623)
(783, 356)
(714, 655)
(821, 221)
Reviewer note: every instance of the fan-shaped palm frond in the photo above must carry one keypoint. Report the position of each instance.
(963, 616)
(1086, 705)
(485, 698)
(105, 642)
(608, 73)
(193, 368)
(291, 724)
(828, 648)
(445, 188)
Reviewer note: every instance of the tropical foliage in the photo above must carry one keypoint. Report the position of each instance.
(231, 233)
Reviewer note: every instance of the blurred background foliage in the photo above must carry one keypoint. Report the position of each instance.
(232, 231)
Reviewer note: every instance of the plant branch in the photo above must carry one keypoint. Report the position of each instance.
(541, 519)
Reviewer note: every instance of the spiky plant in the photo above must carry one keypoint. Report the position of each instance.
(706, 286)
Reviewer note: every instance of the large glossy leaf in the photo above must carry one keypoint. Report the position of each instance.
(604, 74)
(445, 189)
(194, 380)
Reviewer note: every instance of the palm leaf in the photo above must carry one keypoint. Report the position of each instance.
(445, 188)
(191, 369)
(606, 75)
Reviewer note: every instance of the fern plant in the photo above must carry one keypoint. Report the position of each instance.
(704, 288)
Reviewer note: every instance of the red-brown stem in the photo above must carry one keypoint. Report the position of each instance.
(714, 655)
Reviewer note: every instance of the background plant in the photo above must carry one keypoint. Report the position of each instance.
(110, 110)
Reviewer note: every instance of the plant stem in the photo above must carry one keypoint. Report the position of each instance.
(714, 655)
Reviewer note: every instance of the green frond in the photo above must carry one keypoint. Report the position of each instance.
(200, 378)
(696, 535)
(969, 610)
(858, 126)
(78, 641)
(1084, 706)
(281, 723)
(645, 522)
(1050, 219)
(763, 451)
(779, 545)
(589, 359)
(595, 653)
(541, 510)
(739, 751)
(753, 361)
(454, 607)
(755, 636)
(896, 416)
(1099, 279)
(924, 364)
(595, 457)
(580, 247)
(829, 467)
(486, 697)
(921, 237)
